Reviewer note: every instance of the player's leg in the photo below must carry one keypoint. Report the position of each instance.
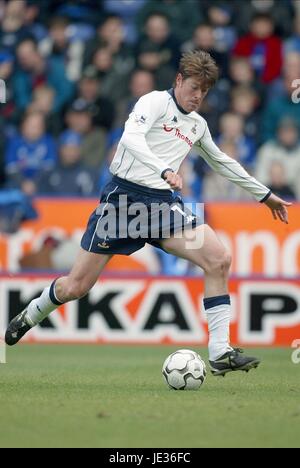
(213, 258)
(84, 274)
(207, 251)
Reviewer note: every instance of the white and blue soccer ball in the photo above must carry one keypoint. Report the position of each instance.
(184, 370)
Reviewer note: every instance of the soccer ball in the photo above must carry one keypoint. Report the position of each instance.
(184, 370)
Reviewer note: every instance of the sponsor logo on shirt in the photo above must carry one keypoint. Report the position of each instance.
(167, 129)
(141, 119)
(178, 134)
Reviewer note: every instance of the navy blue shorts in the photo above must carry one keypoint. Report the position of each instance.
(131, 215)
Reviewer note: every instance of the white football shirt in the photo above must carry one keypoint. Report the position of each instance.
(159, 134)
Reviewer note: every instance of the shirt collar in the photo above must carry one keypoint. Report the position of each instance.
(172, 93)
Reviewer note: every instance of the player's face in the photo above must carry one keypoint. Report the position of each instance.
(189, 94)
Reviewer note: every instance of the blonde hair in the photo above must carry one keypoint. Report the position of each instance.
(200, 65)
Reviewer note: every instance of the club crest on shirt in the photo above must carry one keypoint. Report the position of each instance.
(103, 245)
(194, 129)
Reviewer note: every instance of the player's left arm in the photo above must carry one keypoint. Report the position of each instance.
(233, 171)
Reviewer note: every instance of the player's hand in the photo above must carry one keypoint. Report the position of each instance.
(278, 208)
(174, 180)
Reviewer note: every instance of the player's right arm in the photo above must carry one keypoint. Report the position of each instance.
(173, 179)
(146, 112)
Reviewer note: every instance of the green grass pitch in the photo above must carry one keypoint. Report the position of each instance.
(115, 396)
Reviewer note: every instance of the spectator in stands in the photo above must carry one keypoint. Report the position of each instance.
(220, 16)
(232, 130)
(113, 73)
(8, 108)
(42, 101)
(159, 38)
(220, 99)
(262, 47)
(113, 77)
(283, 105)
(61, 45)
(290, 72)
(43, 98)
(141, 83)
(2, 170)
(245, 101)
(79, 119)
(6, 64)
(127, 11)
(285, 150)
(85, 12)
(28, 153)
(279, 11)
(34, 71)
(70, 176)
(204, 39)
(2, 166)
(278, 182)
(291, 64)
(241, 72)
(110, 33)
(292, 44)
(110, 38)
(32, 20)
(102, 108)
(217, 188)
(13, 29)
(182, 16)
(158, 50)
(150, 60)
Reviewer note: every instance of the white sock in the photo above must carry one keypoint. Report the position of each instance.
(41, 307)
(218, 317)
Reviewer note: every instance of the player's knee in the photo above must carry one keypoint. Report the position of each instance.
(219, 264)
(227, 260)
(75, 290)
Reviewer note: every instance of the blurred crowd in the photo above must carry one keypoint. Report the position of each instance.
(73, 70)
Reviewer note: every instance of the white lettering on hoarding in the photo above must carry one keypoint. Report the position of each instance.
(247, 243)
(290, 256)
